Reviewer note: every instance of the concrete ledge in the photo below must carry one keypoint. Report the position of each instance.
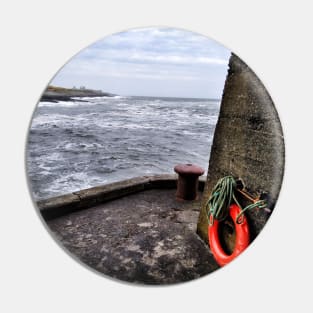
(86, 198)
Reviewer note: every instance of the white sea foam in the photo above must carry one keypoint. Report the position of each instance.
(99, 98)
(74, 182)
(65, 103)
(61, 120)
(76, 146)
(46, 104)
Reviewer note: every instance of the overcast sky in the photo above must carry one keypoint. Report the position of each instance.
(150, 62)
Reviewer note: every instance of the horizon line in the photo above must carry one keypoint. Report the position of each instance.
(150, 96)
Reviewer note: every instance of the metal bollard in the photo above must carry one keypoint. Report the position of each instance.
(188, 178)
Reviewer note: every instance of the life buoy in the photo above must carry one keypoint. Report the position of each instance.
(242, 237)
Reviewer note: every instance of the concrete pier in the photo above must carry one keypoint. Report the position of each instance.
(133, 230)
(248, 144)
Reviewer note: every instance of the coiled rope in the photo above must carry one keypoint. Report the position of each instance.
(223, 194)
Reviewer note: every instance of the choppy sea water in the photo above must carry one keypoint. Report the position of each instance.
(76, 145)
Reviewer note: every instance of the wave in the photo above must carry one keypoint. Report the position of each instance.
(96, 99)
(64, 103)
(79, 101)
(119, 97)
(71, 183)
(58, 120)
(79, 144)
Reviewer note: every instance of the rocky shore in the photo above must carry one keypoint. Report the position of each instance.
(54, 94)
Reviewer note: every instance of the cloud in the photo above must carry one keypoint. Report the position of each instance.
(154, 54)
(153, 45)
(168, 59)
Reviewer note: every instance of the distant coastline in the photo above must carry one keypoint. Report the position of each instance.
(54, 93)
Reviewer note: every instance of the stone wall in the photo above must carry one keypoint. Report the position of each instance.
(248, 144)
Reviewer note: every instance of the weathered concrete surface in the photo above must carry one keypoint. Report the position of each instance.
(147, 237)
(79, 200)
(248, 144)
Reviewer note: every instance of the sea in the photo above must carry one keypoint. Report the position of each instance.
(73, 145)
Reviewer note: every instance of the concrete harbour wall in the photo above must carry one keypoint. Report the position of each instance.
(248, 144)
(86, 198)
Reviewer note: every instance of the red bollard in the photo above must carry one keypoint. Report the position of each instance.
(187, 184)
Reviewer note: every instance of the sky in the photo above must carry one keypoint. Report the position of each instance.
(164, 62)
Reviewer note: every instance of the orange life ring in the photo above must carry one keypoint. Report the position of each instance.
(242, 237)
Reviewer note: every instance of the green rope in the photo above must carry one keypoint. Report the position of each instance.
(221, 198)
(261, 204)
